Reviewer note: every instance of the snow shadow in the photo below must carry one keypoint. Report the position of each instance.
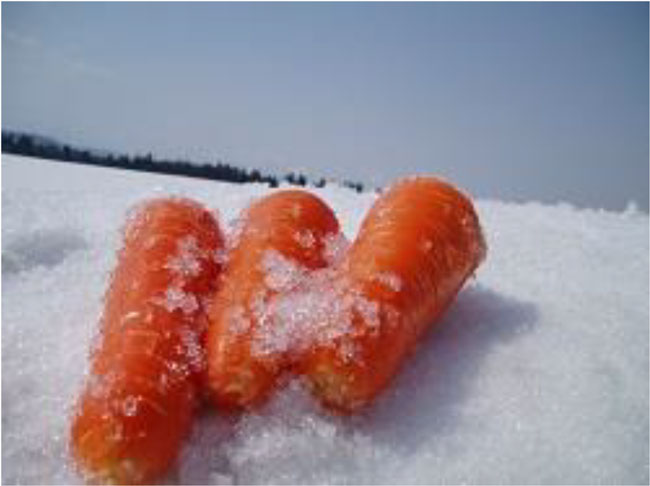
(46, 248)
(428, 394)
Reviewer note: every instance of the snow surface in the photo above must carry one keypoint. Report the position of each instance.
(537, 374)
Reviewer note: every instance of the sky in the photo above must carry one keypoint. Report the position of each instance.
(514, 101)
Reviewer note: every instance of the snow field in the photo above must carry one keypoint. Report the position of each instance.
(537, 374)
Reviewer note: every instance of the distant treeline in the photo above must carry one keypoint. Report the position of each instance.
(36, 146)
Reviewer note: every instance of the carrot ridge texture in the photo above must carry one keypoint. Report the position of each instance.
(147, 363)
(416, 247)
(287, 229)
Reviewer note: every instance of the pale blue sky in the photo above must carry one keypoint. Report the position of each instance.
(513, 101)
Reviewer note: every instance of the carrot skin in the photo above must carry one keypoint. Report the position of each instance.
(146, 368)
(288, 225)
(416, 247)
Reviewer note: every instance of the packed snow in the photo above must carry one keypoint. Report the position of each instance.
(537, 374)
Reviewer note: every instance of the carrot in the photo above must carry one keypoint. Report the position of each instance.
(147, 364)
(280, 237)
(418, 244)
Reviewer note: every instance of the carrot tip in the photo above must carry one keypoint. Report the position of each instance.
(333, 389)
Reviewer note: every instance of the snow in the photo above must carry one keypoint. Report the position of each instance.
(186, 262)
(177, 298)
(537, 374)
(390, 281)
(305, 238)
(309, 310)
(336, 245)
(281, 273)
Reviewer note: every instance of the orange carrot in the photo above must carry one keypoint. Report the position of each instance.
(147, 364)
(280, 237)
(418, 244)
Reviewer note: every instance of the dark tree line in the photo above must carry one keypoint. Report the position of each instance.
(36, 146)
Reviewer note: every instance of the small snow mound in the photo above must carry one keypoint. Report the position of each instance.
(310, 307)
(282, 273)
(336, 246)
(295, 309)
